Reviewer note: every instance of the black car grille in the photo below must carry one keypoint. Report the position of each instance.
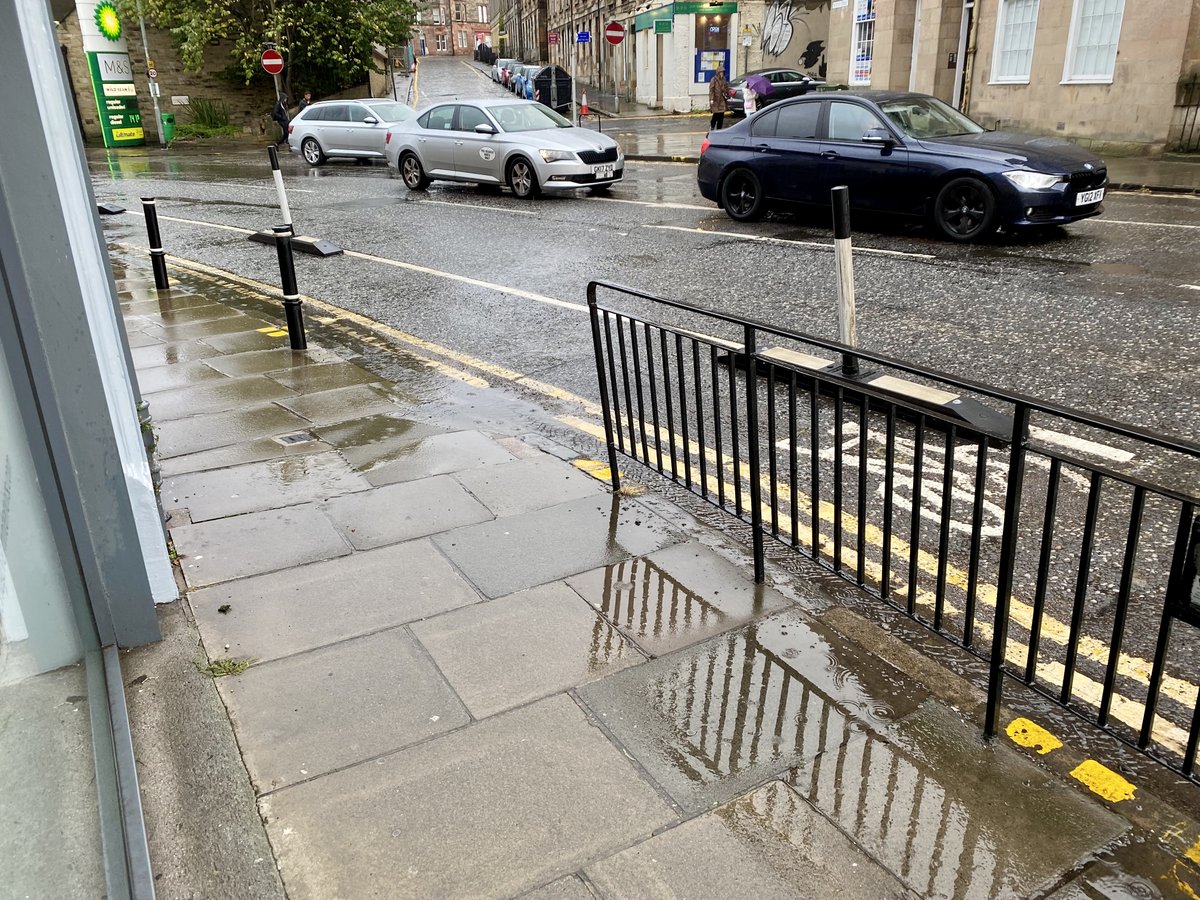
(595, 157)
(1088, 180)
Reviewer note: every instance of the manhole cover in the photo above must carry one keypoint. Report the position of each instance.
(300, 437)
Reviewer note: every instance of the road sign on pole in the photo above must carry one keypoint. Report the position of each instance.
(272, 62)
(614, 32)
(583, 37)
(552, 37)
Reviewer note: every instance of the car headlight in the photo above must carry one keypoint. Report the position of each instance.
(619, 153)
(1033, 180)
(556, 155)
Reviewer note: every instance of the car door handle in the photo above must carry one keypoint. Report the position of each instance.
(762, 147)
(831, 154)
(458, 143)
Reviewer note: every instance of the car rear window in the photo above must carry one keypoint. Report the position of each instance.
(798, 121)
(440, 118)
(765, 125)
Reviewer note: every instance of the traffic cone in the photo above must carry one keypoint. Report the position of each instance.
(583, 110)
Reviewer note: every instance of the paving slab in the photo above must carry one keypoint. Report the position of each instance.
(231, 324)
(342, 404)
(257, 362)
(168, 377)
(169, 354)
(372, 440)
(257, 486)
(529, 484)
(951, 815)
(242, 341)
(676, 597)
(138, 303)
(138, 339)
(199, 433)
(712, 721)
(312, 379)
(309, 606)
(224, 549)
(440, 454)
(569, 888)
(238, 454)
(401, 512)
(491, 810)
(299, 717)
(1139, 866)
(185, 313)
(216, 396)
(507, 652)
(518, 552)
(769, 844)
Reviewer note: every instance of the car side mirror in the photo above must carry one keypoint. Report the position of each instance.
(878, 136)
(370, 120)
(484, 128)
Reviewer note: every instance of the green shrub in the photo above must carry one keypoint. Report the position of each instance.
(209, 113)
(197, 132)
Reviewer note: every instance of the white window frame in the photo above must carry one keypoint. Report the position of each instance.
(462, 40)
(1072, 48)
(854, 39)
(440, 43)
(481, 10)
(999, 46)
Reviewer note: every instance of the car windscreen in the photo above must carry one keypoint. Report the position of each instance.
(527, 117)
(390, 111)
(928, 117)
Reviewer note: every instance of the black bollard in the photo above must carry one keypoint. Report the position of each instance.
(291, 294)
(847, 320)
(158, 256)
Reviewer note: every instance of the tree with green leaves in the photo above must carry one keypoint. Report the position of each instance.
(327, 45)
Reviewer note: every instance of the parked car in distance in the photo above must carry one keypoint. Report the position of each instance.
(506, 75)
(785, 83)
(498, 68)
(899, 153)
(354, 129)
(523, 81)
(518, 143)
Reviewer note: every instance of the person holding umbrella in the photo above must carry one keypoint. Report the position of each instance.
(756, 86)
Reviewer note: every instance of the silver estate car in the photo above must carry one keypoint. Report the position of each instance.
(520, 143)
(350, 128)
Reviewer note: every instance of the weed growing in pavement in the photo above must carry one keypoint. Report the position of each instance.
(218, 668)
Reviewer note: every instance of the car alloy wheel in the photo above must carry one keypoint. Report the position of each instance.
(412, 173)
(741, 195)
(522, 179)
(965, 209)
(312, 152)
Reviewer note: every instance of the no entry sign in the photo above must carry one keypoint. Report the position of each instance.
(272, 62)
(614, 32)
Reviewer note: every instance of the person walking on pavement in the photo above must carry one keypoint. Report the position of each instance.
(718, 102)
(280, 115)
(305, 102)
(751, 99)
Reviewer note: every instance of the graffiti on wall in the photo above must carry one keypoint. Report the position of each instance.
(792, 35)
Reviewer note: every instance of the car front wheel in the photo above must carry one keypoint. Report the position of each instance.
(313, 154)
(523, 179)
(412, 173)
(742, 196)
(965, 209)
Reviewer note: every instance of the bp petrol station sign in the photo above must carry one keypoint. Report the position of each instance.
(111, 73)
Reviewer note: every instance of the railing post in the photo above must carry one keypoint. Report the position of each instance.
(291, 294)
(1008, 557)
(605, 406)
(756, 519)
(847, 316)
(158, 256)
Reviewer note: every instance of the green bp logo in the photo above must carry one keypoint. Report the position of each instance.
(108, 21)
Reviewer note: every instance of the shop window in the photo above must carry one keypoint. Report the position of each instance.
(1015, 29)
(1092, 48)
(862, 45)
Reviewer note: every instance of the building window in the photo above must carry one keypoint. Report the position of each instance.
(862, 43)
(419, 14)
(462, 40)
(483, 13)
(441, 43)
(460, 12)
(438, 15)
(1092, 48)
(1015, 31)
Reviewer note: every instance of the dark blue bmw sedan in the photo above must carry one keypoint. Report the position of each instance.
(899, 153)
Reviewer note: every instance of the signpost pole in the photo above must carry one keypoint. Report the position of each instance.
(153, 93)
(574, 52)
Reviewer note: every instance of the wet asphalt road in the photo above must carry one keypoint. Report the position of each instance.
(1094, 316)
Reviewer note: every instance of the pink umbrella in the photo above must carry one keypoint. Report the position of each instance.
(760, 85)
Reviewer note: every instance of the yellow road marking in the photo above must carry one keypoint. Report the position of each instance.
(595, 468)
(276, 333)
(1102, 780)
(265, 330)
(1026, 733)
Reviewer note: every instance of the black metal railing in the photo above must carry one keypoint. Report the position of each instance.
(1050, 543)
(1185, 137)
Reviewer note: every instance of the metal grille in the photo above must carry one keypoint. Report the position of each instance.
(595, 157)
(1054, 546)
(1087, 180)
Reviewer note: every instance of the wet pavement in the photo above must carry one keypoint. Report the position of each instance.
(473, 671)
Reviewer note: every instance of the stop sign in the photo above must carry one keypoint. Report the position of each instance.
(614, 32)
(272, 62)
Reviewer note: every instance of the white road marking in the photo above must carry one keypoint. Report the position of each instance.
(515, 212)
(772, 240)
(1091, 448)
(654, 204)
(424, 270)
(1145, 224)
(1191, 287)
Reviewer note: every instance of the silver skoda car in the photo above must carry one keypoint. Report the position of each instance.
(518, 143)
(348, 128)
